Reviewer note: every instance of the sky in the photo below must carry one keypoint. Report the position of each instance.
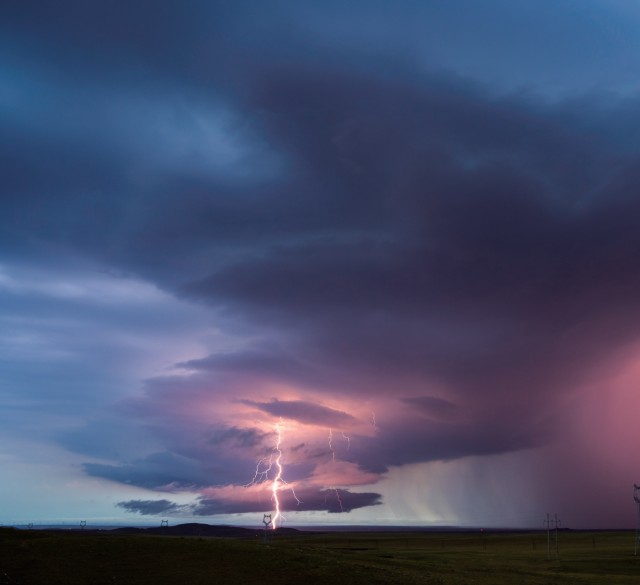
(380, 260)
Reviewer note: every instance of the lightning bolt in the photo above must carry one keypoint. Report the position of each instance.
(333, 452)
(333, 456)
(261, 475)
(337, 492)
(275, 485)
(273, 463)
(264, 467)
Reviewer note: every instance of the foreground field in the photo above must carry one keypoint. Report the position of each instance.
(74, 558)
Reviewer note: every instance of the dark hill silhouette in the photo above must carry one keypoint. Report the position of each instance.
(197, 529)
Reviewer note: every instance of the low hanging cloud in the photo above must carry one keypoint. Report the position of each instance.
(335, 501)
(328, 500)
(156, 471)
(152, 507)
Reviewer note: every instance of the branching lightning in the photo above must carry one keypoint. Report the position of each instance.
(275, 485)
(263, 469)
(332, 448)
(261, 475)
(333, 457)
(271, 469)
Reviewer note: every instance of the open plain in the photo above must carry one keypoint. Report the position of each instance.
(74, 557)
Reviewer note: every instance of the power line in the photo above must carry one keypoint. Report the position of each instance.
(636, 498)
(552, 524)
(266, 520)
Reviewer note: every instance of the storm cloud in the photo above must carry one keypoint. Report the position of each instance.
(338, 235)
(151, 507)
(304, 412)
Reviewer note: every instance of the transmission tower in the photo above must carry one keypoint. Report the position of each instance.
(266, 520)
(164, 523)
(552, 524)
(636, 497)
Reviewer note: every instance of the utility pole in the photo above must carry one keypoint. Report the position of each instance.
(636, 498)
(552, 523)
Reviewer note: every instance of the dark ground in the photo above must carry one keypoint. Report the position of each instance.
(202, 554)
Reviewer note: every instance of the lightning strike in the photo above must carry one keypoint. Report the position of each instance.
(337, 492)
(333, 452)
(333, 456)
(275, 486)
(264, 468)
(261, 475)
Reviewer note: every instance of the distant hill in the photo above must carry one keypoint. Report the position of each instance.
(197, 529)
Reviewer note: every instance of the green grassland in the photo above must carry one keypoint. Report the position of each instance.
(39, 557)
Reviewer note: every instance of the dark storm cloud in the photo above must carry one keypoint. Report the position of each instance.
(151, 507)
(473, 240)
(259, 361)
(196, 456)
(498, 40)
(411, 440)
(373, 228)
(332, 501)
(304, 412)
(154, 472)
(239, 437)
(424, 232)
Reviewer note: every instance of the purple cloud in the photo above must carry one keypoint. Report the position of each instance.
(304, 412)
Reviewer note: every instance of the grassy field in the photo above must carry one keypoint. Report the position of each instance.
(34, 557)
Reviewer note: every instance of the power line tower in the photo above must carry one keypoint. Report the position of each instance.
(266, 520)
(636, 498)
(164, 523)
(552, 524)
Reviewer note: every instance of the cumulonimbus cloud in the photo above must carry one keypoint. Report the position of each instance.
(453, 263)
